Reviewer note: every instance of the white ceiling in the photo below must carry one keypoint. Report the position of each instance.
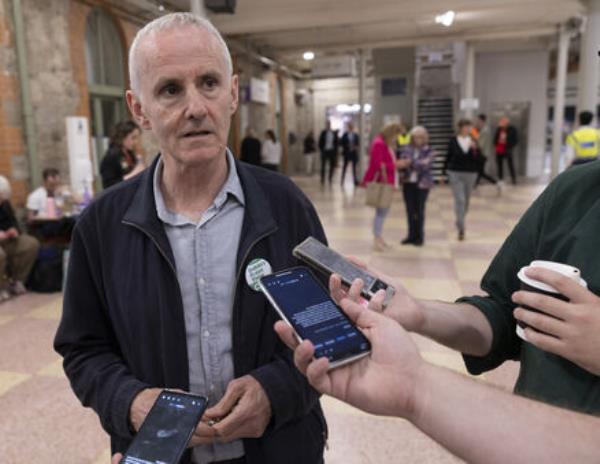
(283, 29)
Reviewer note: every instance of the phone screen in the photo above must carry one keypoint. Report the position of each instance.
(314, 315)
(166, 430)
(322, 255)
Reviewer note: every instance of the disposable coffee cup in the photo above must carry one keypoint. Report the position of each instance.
(532, 285)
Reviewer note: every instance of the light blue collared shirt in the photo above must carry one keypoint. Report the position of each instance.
(205, 259)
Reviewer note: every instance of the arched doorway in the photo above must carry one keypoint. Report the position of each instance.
(105, 77)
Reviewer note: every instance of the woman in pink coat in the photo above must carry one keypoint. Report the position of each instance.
(382, 167)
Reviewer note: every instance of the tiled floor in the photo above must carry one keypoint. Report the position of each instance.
(41, 421)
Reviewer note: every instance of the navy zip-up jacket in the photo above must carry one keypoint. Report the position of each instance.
(122, 328)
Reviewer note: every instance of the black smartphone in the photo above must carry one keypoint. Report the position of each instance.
(328, 261)
(302, 302)
(167, 429)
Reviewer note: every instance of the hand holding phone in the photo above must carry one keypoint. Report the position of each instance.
(167, 429)
(303, 303)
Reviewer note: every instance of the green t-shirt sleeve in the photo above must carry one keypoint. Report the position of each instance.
(500, 282)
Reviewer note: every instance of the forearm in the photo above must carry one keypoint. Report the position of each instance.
(482, 424)
(459, 326)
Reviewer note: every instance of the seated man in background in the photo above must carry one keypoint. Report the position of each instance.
(18, 251)
(37, 201)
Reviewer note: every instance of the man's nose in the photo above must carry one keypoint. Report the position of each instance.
(196, 104)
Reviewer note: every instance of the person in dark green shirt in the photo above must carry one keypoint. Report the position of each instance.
(563, 368)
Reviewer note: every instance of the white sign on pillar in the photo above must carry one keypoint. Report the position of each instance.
(78, 145)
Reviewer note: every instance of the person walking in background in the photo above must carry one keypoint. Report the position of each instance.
(328, 146)
(120, 161)
(505, 140)
(271, 151)
(416, 179)
(583, 144)
(18, 251)
(250, 150)
(462, 166)
(381, 169)
(484, 142)
(350, 146)
(310, 147)
(403, 139)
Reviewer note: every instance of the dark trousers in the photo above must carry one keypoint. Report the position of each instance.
(351, 157)
(327, 157)
(482, 174)
(511, 167)
(414, 199)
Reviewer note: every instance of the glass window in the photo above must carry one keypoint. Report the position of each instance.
(103, 50)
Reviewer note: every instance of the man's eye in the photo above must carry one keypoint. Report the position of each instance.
(170, 89)
(210, 83)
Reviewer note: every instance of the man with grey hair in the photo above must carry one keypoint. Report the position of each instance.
(162, 286)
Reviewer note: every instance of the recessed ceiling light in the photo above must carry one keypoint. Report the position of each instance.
(308, 56)
(446, 19)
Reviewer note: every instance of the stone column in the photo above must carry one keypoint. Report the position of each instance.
(564, 40)
(197, 7)
(589, 64)
(469, 86)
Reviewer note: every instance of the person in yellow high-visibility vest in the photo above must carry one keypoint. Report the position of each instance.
(583, 144)
(403, 140)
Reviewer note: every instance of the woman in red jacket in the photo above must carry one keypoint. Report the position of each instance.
(382, 166)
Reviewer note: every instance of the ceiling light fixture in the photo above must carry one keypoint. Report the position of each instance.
(446, 19)
(161, 7)
(308, 56)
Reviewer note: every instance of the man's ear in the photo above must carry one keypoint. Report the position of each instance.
(135, 106)
(234, 93)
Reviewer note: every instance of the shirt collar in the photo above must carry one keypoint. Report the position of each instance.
(232, 186)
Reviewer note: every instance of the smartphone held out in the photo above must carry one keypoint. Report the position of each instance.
(323, 259)
(303, 303)
(167, 429)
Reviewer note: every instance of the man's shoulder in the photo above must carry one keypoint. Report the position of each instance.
(111, 204)
(579, 181)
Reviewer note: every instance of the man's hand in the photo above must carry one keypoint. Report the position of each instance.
(385, 382)
(573, 327)
(116, 459)
(143, 402)
(243, 412)
(403, 308)
(4, 235)
(12, 233)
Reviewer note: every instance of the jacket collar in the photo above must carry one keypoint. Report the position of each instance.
(258, 220)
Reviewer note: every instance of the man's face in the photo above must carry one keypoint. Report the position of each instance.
(185, 97)
(51, 183)
(503, 122)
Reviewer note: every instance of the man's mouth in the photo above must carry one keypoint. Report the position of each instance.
(196, 133)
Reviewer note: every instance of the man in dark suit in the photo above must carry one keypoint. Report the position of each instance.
(328, 146)
(350, 147)
(250, 152)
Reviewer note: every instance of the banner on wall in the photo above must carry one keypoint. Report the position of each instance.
(78, 146)
(259, 90)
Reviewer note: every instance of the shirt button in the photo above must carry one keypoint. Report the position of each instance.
(206, 333)
(202, 281)
(212, 388)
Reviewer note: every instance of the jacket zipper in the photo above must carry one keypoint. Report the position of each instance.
(164, 255)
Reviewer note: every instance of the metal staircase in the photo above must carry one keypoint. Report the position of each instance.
(436, 114)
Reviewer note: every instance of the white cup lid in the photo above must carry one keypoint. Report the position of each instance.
(568, 271)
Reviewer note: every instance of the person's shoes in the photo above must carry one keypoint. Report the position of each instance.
(461, 235)
(4, 296)
(406, 241)
(418, 243)
(17, 288)
(500, 187)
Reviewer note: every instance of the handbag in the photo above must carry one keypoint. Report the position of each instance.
(379, 192)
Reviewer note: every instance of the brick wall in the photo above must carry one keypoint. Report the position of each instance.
(12, 144)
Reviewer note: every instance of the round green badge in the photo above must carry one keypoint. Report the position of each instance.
(256, 269)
